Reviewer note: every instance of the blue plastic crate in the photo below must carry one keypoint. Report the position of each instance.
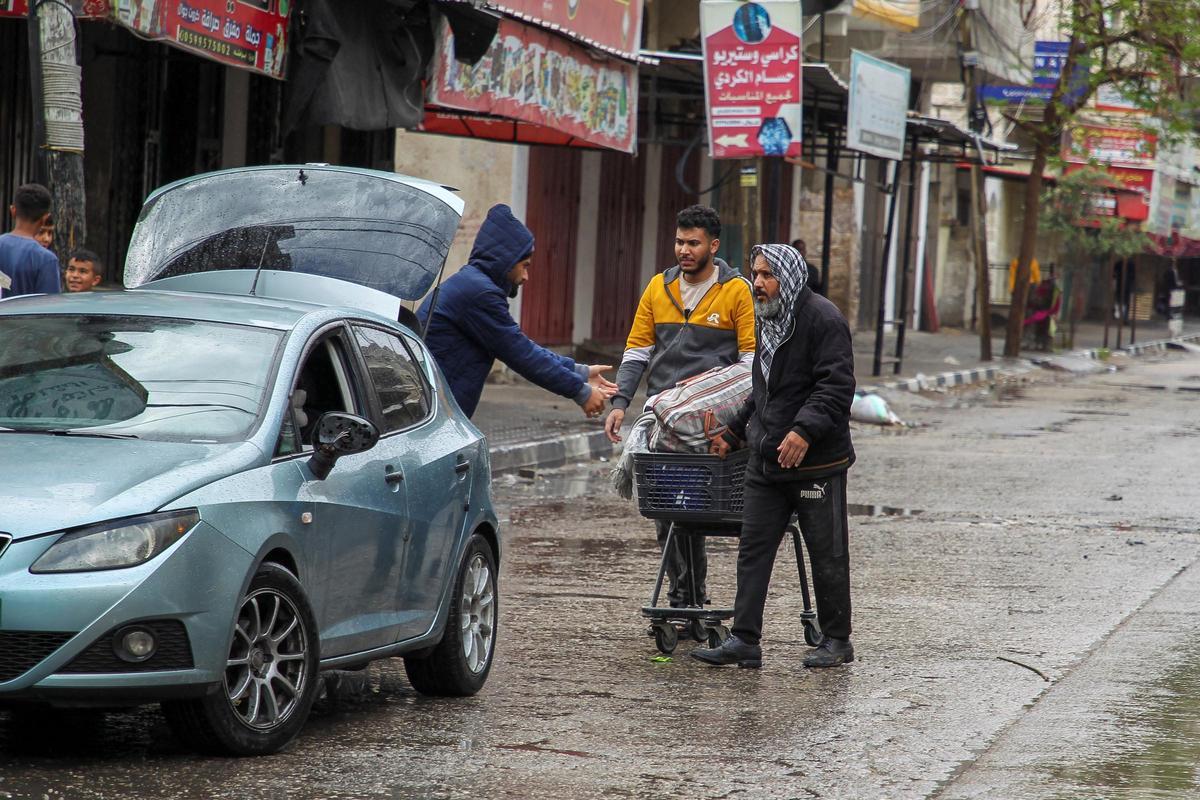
(690, 488)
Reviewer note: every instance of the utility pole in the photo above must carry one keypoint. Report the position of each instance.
(749, 183)
(978, 199)
(58, 112)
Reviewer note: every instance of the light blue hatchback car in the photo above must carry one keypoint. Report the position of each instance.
(244, 471)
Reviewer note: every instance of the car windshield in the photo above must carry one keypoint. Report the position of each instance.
(149, 377)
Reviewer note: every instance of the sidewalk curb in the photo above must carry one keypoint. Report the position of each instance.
(980, 374)
(1157, 345)
(944, 379)
(548, 453)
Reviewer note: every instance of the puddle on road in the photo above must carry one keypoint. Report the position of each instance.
(576, 480)
(1159, 747)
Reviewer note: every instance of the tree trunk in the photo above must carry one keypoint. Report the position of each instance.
(54, 49)
(979, 248)
(1029, 232)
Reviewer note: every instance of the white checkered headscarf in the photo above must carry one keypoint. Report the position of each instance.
(792, 273)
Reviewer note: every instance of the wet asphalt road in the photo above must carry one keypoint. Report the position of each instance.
(1030, 633)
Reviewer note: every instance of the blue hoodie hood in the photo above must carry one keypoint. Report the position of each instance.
(501, 243)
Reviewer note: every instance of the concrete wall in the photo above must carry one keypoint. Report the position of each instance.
(954, 284)
(842, 282)
(483, 172)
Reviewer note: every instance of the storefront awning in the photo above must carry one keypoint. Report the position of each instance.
(533, 87)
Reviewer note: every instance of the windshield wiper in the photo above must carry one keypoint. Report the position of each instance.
(71, 432)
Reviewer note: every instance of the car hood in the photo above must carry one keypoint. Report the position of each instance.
(380, 230)
(49, 483)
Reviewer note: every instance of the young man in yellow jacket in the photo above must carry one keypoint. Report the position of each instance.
(692, 317)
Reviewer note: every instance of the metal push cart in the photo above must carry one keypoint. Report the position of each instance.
(700, 495)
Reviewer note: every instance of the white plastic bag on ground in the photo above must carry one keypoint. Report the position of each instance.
(873, 409)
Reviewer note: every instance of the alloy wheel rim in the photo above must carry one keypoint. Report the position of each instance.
(478, 611)
(267, 670)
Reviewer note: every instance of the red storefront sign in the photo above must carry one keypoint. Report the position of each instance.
(1133, 205)
(92, 9)
(532, 76)
(1117, 146)
(752, 73)
(243, 33)
(613, 25)
(1130, 194)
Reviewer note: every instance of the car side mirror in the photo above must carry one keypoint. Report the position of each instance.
(339, 434)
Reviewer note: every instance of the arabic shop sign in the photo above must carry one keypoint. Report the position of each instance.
(878, 109)
(243, 33)
(538, 77)
(87, 9)
(752, 74)
(1048, 60)
(1117, 146)
(612, 25)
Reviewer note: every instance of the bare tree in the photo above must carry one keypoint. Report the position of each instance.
(1148, 48)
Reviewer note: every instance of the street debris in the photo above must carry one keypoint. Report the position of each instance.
(873, 409)
(1045, 677)
(537, 747)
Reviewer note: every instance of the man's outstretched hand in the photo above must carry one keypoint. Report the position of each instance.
(598, 381)
(612, 425)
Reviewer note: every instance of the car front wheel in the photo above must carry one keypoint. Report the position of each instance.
(270, 679)
(458, 666)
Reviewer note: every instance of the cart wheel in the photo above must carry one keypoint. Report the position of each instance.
(717, 635)
(698, 630)
(812, 636)
(666, 638)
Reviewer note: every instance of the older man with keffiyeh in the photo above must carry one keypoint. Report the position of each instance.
(797, 426)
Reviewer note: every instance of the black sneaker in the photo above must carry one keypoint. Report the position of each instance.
(732, 651)
(830, 653)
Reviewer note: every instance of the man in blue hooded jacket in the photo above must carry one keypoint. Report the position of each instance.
(471, 325)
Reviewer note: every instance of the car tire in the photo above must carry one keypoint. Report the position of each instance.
(271, 678)
(459, 665)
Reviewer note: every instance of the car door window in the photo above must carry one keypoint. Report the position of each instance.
(322, 384)
(399, 381)
(418, 352)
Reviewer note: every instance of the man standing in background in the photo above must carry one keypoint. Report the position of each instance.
(25, 266)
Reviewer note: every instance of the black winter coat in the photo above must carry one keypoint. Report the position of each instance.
(810, 390)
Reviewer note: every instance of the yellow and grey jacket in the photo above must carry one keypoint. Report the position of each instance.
(671, 346)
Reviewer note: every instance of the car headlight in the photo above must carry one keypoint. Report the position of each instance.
(114, 545)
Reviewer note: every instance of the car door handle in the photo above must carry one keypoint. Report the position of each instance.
(393, 477)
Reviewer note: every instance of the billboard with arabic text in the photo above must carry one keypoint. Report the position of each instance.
(753, 74)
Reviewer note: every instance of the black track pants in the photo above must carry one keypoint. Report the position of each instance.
(820, 506)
